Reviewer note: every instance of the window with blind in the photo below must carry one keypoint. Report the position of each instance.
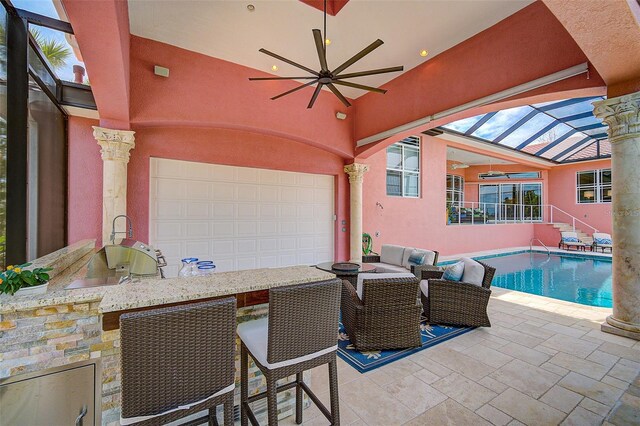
(403, 168)
(594, 186)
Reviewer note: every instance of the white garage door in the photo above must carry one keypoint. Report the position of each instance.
(239, 217)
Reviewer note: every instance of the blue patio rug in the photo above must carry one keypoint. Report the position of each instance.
(366, 361)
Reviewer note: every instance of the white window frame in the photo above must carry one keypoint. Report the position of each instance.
(454, 191)
(402, 145)
(597, 186)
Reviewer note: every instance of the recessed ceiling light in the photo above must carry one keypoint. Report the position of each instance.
(424, 53)
(274, 68)
(251, 7)
(327, 42)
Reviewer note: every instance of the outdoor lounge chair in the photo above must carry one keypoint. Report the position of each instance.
(602, 241)
(386, 316)
(569, 239)
(394, 258)
(461, 303)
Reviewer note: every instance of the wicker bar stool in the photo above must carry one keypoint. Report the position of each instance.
(178, 361)
(300, 333)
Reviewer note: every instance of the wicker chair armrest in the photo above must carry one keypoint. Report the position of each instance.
(435, 272)
(371, 258)
(350, 295)
(425, 272)
(441, 286)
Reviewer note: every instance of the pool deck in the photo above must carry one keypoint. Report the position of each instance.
(543, 362)
(552, 250)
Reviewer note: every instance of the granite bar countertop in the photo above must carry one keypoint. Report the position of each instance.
(155, 292)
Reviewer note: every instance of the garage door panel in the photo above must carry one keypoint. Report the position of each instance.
(241, 218)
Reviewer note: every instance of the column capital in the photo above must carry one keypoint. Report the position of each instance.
(115, 144)
(356, 171)
(622, 114)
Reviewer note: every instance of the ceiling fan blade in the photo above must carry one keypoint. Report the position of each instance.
(281, 78)
(283, 59)
(293, 90)
(364, 52)
(336, 92)
(322, 54)
(315, 95)
(370, 72)
(359, 86)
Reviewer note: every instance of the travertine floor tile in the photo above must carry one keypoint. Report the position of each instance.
(563, 329)
(582, 417)
(596, 407)
(374, 404)
(625, 370)
(492, 414)
(526, 409)
(529, 379)
(486, 355)
(416, 394)
(561, 398)
(603, 358)
(580, 365)
(465, 391)
(461, 363)
(493, 384)
(571, 345)
(448, 413)
(525, 354)
(593, 389)
(426, 376)
(621, 351)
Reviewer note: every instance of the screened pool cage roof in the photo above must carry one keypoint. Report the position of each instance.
(560, 131)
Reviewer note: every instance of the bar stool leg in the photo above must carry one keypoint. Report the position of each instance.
(299, 399)
(333, 392)
(244, 385)
(228, 410)
(272, 399)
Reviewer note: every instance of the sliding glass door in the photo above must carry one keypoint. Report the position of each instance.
(512, 202)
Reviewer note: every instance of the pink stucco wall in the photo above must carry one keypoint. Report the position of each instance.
(563, 195)
(84, 210)
(421, 222)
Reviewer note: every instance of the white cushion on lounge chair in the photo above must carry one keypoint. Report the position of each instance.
(424, 287)
(362, 277)
(392, 254)
(473, 272)
(405, 257)
(387, 267)
(601, 235)
(255, 335)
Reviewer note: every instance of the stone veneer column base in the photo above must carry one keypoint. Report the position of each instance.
(616, 327)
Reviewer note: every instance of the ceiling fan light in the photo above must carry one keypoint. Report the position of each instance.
(274, 68)
(424, 53)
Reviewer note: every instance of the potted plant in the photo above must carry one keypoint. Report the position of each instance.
(21, 281)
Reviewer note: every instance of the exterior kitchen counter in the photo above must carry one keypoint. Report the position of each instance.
(156, 292)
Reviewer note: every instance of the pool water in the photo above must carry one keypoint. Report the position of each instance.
(585, 280)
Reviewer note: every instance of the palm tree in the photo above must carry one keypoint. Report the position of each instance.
(56, 52)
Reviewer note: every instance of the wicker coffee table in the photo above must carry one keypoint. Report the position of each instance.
(348, 274)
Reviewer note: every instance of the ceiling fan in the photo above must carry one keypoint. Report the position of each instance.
(456, 166)
(327, 77)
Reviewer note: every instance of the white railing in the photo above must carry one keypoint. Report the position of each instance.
(475, 213)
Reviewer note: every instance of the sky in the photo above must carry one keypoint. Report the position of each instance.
(45, 7)
(505, 119)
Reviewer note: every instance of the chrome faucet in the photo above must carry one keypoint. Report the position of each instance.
(129, 231)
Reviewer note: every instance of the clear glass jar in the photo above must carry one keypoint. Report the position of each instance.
(188, 265)
(204, 270)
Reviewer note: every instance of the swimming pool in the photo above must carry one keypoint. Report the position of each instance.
(574, 278)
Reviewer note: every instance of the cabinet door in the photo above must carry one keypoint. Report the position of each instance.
(50, 399)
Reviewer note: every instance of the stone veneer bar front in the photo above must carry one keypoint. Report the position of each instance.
(63, 327)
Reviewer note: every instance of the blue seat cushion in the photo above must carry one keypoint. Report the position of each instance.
(454, 272)
(570, 240)
(416, 258)
(603, 241)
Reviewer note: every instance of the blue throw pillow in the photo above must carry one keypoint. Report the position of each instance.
(570, 240)
(416, 258)
(603, 241)
(454, 272)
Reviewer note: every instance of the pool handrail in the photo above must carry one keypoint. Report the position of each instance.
(543, 245)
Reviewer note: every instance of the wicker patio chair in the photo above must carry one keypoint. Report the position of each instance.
(415, 269)
(299, 334)
(178, 361)
(387, 316)
(454, 302)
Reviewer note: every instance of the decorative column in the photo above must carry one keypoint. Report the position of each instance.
(115, 146)
(622, 114)
(356, 173)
